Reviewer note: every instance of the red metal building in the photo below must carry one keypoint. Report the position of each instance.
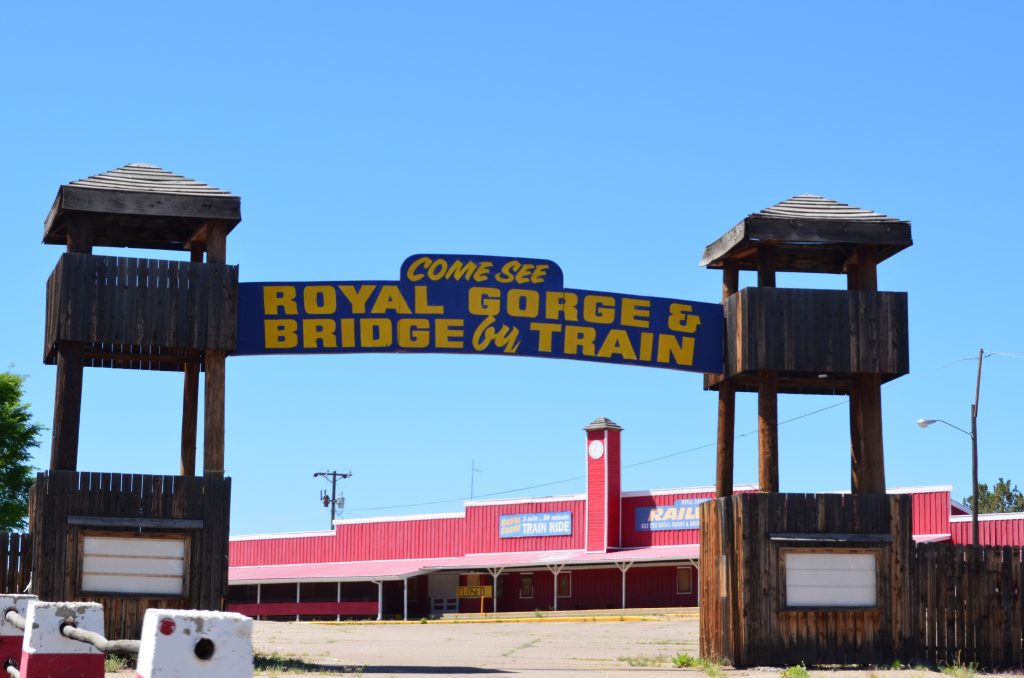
(599, 550)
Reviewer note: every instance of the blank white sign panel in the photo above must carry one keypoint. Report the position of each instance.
(140, 565)
(831, 580)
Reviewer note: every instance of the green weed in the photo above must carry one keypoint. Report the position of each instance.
(798, 671)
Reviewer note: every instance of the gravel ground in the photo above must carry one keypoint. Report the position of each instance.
(529, 648)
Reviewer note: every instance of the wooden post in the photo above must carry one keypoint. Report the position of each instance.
(767, 394)
(189, 419)
(766, 266)
(867, 459)
(213, 415)
(80, 236)
(190, 399)
(768, 431)
(726, 405)
(871, 474)
(67, 406)
(216, 242)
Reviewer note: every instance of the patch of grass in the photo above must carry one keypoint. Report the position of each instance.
(710, 667)
(960, 670)
(279, 662)
(798, 671)
(685, 661)
(645, 660)
(896, 665)
(118, 662)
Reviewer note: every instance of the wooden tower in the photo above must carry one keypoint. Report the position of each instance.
(842, 342)
(136, 541)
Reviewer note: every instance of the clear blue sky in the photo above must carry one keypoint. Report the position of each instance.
(617, 139)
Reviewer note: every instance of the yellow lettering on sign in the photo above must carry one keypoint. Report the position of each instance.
(319, 300)
(523, 303)
(280, 333)
(598, 309)
(357, 297)
(413, 333)
(580, 340)
(635, 313)
(276, 297)
(561, 306)
(348, 332)
(544, 333)
(681, 318)
(617, 343)
(423, 305)
(390, 299)
(319, 333)
(413, 273)
(448, 333)
(484, 300)
(375, 332)
(675, 349)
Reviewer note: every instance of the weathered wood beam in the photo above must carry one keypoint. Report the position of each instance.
(766, 266)
(724, 472)
(189, 419)
(768, 432)
(80, 237)
(67, 407)
(213, 416)
(866, 419)
(216, 242)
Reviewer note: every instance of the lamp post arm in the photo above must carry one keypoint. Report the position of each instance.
(965, 432)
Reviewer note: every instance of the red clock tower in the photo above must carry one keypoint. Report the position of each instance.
(604, 483)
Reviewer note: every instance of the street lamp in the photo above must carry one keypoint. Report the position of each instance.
(973, 435)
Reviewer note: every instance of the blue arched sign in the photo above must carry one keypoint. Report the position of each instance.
(445, 303)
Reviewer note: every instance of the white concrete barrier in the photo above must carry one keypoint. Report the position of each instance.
(46, 653)
(195, 644)
(11, 637)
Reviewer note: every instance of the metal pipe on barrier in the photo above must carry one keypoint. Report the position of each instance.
(15, 619)
(69, 630)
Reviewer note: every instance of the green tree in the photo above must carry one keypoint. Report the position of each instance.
(18, 435)
(1004, 497)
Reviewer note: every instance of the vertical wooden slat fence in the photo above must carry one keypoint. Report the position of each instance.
(15, 562)
(967, 605)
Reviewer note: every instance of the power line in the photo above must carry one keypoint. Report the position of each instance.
(660, 458)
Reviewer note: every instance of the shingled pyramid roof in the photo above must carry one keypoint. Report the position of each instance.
(808, 206)
(810, 234)
(140, 205)
(601, 424)
(139, 176)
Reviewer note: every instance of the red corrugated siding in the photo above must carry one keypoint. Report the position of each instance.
(630, 537)
(399, 539)
(991, 532)
(283, 551)
(614, 488)
(931, 512)
(480, 533)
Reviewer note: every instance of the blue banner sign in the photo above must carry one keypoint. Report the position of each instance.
(445, 303)
(683, 515)
(535, 525)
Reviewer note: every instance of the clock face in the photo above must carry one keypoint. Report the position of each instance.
(595, 449)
